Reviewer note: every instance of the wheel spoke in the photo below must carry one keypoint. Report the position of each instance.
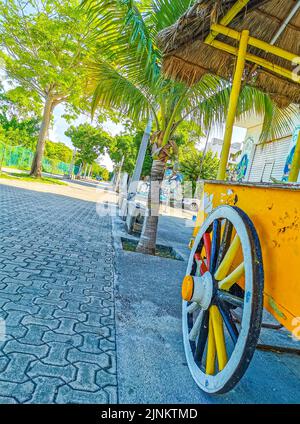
(231, 299)
(201, 342)
(200, 264)
(211, 349)
(229, 323)
(192, 307)
(196, 327)
(225, 243)
(226, 263)
(215, 245)
(207, 245)
(217, 323)
(232, 278)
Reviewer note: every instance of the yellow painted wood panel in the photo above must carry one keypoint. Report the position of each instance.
(275, 213)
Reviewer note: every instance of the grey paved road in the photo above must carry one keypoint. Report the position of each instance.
(56, 297)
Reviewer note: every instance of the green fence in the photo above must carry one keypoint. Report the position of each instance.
(21, 158)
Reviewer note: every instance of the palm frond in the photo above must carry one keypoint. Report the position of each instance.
(119, 25)
(277, 122)
(113, 90)
(165, 13)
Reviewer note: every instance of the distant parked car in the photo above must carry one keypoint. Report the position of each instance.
(191, 203)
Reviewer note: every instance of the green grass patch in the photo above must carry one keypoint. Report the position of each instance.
(26, 177)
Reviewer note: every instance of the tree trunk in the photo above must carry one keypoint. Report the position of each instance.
(118, 179)
(85, 171)
(72, 164)
(36, 166)
(147, 241)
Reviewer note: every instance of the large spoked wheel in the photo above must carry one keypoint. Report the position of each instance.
(223, 300)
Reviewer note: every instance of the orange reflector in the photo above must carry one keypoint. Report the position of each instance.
(187, 288)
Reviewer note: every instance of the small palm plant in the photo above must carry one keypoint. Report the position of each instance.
(126, 75)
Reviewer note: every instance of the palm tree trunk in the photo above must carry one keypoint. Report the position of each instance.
(147, 241)
(36, 166)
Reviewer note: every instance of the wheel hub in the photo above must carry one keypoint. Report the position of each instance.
(198, 289)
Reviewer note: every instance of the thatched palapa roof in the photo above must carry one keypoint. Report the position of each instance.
(187, 58)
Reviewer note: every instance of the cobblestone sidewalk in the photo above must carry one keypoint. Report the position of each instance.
(56, 297)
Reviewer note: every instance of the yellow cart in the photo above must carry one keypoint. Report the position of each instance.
(247, 243)
(245, 255)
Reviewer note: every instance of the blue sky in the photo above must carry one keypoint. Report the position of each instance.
(57, 132)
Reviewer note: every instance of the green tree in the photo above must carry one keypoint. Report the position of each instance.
(20, 126)
(127, 76)
(44, 45)
(89, 141)
(100, 171)
(58, 151)
(127, 146)
(194, 166)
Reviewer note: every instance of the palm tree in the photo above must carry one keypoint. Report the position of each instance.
(126, 75)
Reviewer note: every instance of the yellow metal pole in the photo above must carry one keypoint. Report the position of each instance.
(230, 15)
(234, 96)
(255, 42)
(258, 60)
(295, 167)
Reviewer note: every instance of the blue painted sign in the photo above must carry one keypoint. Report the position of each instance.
(290, 156)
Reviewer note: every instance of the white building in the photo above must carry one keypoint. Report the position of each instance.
(268, 161)
(215, 145)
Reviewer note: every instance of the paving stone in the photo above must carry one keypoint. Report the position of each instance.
(85, 377)
(67, 394)
(72, 315)
(56, 294)
(102, 331)
(106, 344)
(17, 306)
(33, 334)
(17, 392)
(16, 332)
(32, 319)
(112, 392)
(46, 301)
(18, 347)
(67, 373)
(66, 326)
(101, 358)
(90, 343)
(14, 318)
(16, 368)
(4, 400)
(72, 340)
(46, 311)
(4, 360)
(104, 379)
(46, 389)
(57, 353)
